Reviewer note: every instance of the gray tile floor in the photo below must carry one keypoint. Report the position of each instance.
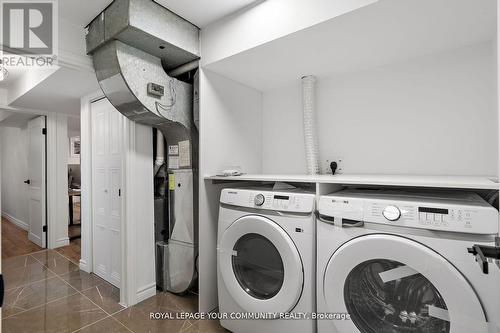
(45, 292)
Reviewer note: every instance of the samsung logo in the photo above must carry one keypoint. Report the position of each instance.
(232, 192)
(343, 201)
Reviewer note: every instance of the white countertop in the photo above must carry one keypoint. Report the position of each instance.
(465, 182)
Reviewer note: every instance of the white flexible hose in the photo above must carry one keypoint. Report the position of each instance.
(310, 133)
(160, 150)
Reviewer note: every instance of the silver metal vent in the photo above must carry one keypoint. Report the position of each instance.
(132, 43)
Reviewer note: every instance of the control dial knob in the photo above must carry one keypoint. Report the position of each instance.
(392, 213)
(259, 200)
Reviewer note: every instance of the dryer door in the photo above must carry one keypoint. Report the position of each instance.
(260, 265)
(388, 283)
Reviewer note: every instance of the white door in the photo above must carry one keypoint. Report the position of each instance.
(389, 283)
(36, 181)
(260, 265)
(107, 139)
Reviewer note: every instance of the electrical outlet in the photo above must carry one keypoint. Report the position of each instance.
(340, 165)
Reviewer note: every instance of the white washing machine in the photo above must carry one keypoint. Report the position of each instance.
(266, 260)
(393, 261)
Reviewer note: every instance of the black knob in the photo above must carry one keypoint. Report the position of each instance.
(27, 181)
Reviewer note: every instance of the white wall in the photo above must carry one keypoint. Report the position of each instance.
(266, 21)
(432, 115)
(73, 130)
(235, 112)
(14, 143)
(139, 248)
(57, 180)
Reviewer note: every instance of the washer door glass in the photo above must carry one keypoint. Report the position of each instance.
(393, 284)
(258, 266)
(400, 305)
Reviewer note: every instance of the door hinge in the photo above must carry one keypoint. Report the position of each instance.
(44, 131)
(44, 228)
(119, 192)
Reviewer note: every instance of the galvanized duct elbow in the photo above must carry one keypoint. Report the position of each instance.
(124, 73)
(133, 43)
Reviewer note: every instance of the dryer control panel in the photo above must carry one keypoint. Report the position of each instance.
(295, 201)
(464, 212)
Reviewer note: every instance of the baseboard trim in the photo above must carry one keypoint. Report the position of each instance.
(21, 224)
(84, 266)
(61, 242)
(146, 292)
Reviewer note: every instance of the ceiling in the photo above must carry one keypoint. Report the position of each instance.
(199, 12)
(12, 74)
(387, 32)
(60, 92)
(15, 119)
(204, 12)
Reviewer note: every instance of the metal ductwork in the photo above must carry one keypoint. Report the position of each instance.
(134, 45)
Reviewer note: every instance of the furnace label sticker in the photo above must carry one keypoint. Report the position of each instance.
(184, 154)
(173, 150)
(173, 162)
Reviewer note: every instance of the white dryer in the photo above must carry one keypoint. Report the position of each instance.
(266, 260)
(393, 261)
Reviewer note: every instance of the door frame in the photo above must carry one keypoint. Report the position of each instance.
(130, 292)
(56, 213)
(57, 180)
(43, 192)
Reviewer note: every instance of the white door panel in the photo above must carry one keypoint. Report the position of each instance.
(37, 185)
(115, 265)
(107, 174)
(115, 134)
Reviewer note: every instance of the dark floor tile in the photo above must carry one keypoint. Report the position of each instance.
(64, 315)
(55, 262)
(81, 280)
(35, 294)
(165, 302)
(17, 262)
(106, 296)
(16, 277)
(138, 320)
(108, 325)
(205, 326)
(186, 303)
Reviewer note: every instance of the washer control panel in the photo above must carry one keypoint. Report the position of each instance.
(464, 212)
(293, 201)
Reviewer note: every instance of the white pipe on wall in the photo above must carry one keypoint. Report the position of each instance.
(160, 151)
(310, 131)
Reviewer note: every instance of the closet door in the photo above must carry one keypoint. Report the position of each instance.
(107, 139)
(36, 181)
